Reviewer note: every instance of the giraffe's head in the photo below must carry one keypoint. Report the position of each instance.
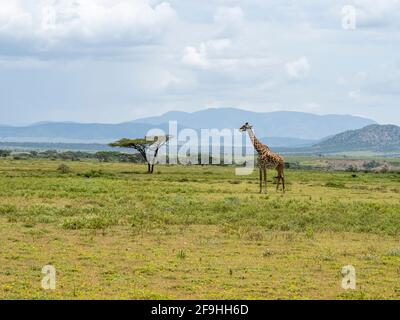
(245, 127)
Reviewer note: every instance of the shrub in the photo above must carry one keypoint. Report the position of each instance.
(394, 252)
(7, 209)
(333, 184)
(181, 254)
(352, 168)
(63, 168)
(89, 222)
(4, 153)
(96, 174)
(371, 164)
(310, 233)
(384, 169)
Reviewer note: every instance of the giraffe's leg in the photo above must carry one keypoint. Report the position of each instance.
(261, 180)
(265, 179)
(281, 176)
(279, 180)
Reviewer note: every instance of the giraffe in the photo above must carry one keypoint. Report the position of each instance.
(266, 159)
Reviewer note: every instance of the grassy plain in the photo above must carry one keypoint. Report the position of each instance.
(113, 231)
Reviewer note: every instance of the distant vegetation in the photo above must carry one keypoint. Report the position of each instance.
(102, 156)
(4, 153)
(338, 163)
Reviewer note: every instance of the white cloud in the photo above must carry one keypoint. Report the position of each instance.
(170, 80)
(76, 25)
(14, 19)
(223, 56)
(207, 55)
(229, 20)
(195, 57)
(371, 13)
(298, 69)
(355, 94)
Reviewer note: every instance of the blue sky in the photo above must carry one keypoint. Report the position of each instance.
(117, 60)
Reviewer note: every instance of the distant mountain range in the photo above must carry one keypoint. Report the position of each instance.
(378, 138)
(76, 131)
(266, 124)
(283, 128)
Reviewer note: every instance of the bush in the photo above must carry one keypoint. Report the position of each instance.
(352, 168)
(63, 168)
(371, 165)
(96, 174)
(89, 222)
(4, 153)
(334, 184)
(384, 169)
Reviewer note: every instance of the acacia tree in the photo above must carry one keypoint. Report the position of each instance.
(148, 148)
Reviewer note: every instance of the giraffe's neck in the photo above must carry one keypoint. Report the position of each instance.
(256, 143)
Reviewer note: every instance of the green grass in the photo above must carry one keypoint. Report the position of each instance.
(114, 231)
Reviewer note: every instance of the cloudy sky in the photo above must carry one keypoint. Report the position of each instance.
(117, 60)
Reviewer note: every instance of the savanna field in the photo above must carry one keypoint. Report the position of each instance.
(195, 232)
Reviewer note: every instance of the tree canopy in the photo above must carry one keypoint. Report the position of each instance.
(145, 146)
